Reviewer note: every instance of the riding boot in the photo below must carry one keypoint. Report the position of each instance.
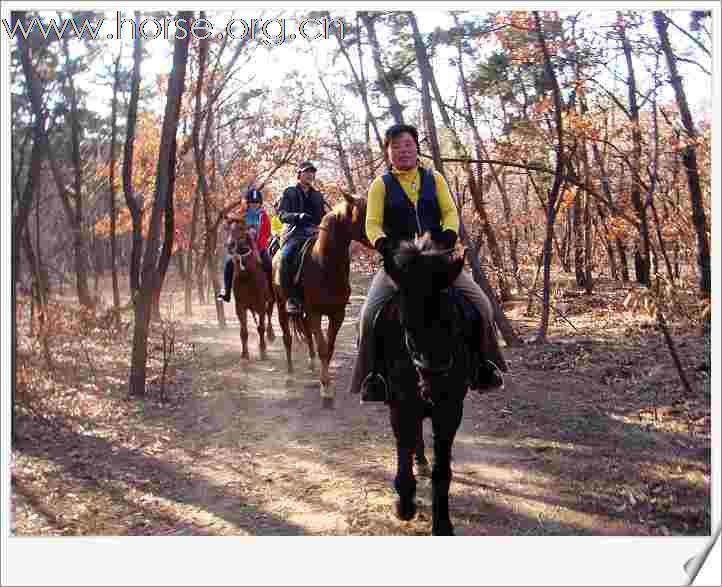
(367, 377)
(225, 294)
(373, 385)
(488, 376)
(294, 306)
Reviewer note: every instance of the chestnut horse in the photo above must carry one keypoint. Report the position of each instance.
(252, 293)
(326, 288)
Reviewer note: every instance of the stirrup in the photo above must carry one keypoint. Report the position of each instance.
(374, 388)
(488, 378)
(293, 307)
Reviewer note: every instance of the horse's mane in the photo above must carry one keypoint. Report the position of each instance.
(422, 265)
(339, 215)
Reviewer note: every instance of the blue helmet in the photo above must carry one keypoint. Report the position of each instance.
(254, 196)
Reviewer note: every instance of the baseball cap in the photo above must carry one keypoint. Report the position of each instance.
(305, 166)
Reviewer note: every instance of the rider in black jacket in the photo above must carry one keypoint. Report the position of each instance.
(301, 207)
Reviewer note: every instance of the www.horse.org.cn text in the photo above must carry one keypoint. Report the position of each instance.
(272, 31)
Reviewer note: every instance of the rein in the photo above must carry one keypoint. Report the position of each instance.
(421, 366)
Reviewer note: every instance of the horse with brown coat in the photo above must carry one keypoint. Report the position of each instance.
(324, 278)
(252, 293)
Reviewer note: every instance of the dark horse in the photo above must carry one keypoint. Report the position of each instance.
(252, 293)
(326, 289)
(427, 358)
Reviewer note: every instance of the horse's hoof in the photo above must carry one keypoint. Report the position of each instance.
(405, 508)
(327, 391)
(423, 469)
(245, 356)
(327, 403)
(442, 529)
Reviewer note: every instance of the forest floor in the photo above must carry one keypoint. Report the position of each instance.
(593, 435)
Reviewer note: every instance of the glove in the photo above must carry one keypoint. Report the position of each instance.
(386, 248)
(303, 217)
(448, 238)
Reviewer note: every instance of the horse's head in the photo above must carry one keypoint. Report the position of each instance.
(422, 271)
(356, 212)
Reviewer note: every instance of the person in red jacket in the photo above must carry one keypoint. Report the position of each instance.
(257, 220)
(258, 224)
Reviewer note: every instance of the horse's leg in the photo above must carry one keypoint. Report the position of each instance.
(286, 330)
(269, 325)
(308, 332)
(241, 313)
(325, 353)
(445, 421)
(262, 332)
(269, 308)
(314, 335)
(422, 464)
(404, 426)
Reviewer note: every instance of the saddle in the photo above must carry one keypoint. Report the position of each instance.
(470, 326)
(470, 314)
(295, 263)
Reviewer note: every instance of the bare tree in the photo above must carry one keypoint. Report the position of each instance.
(689, 158)
(551, 208)
(111, 183)
(635, 162)
(385, 84)
(133, 201)
(155, 262)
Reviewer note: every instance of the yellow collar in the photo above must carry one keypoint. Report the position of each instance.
(405, 174)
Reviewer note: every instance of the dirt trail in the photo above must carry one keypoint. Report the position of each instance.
(562, 451)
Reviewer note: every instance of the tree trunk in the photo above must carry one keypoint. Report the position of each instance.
(111, 185)
(643, 276)
(76, 220)
(422, 59)
(337, 132)
(74, 216)
(505, 327)
(689, 159)
(359, 79)
(134, 203)
(623, 261)
(477, 185)
(188, 277)
(154, 267)
(556, 186)
(578, 233)
(199, 156)
(25, 205)
(387, 87)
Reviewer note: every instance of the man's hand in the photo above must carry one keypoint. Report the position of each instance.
(448, 238)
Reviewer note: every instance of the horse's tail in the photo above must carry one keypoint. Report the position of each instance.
(298, 326)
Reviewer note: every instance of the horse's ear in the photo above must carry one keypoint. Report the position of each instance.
(349, 198)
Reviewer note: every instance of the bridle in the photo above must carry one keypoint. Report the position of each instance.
(422, 367)
(241, 256)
